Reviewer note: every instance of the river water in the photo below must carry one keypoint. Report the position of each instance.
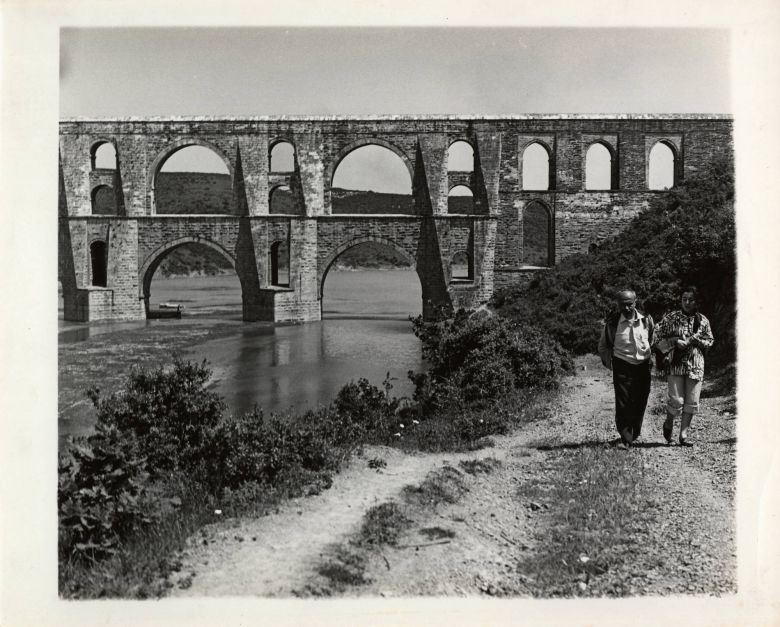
(365, 332)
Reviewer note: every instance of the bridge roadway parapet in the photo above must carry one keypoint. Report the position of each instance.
(117, 224)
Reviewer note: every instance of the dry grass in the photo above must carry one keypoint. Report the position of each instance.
(595, 514)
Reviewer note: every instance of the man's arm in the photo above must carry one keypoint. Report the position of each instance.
(605, 351)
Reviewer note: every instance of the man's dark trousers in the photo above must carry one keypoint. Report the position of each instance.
(632, 387)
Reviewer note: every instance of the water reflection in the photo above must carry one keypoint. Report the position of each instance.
(365, 332)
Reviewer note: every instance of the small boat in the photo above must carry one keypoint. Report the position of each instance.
(166, 310)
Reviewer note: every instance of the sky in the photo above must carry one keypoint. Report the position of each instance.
(109, 72)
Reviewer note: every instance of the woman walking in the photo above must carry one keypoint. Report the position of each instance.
(683, 335)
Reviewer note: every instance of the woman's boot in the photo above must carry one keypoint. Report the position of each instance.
(685, 422)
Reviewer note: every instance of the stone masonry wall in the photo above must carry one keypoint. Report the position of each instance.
(493, 233)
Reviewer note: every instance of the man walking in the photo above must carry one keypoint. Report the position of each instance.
(624, 348)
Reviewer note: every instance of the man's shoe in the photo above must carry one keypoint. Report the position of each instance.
(685, 442)
(623, 446)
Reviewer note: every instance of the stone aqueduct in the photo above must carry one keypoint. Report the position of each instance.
(135, 239)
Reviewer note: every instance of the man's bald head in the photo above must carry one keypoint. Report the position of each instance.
(626, 303)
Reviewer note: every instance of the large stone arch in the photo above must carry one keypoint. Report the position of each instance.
(368, 141)
(154, 259)
(322, 273)
(168, 151)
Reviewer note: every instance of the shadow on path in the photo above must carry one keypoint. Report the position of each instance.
(595, 444)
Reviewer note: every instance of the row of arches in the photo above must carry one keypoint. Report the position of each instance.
(460, 156)
(369, 168)
(537, 251)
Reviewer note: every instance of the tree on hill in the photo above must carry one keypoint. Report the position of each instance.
(685, 238)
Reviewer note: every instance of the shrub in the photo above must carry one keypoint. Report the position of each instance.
(477, 358)
(362, 411)
(261, 450)
(170, 412)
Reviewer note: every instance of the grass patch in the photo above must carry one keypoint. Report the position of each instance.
(445, 485)
(460, 428)
(480, 466)
(595, 514)
(437, 533)
(383, 524)
(345, 567)
(377, 463)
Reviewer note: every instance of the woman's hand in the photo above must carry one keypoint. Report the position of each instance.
(682, 343)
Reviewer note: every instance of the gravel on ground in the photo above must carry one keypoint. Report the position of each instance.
(681, 539)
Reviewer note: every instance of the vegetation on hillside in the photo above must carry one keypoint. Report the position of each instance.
(685, 238)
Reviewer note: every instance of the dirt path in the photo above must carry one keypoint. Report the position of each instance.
(492, 538)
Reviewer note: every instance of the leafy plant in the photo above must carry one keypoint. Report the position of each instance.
(101, 494)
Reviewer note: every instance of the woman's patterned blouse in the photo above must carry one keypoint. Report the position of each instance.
(680, 324)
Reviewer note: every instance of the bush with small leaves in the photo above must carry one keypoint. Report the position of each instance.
(170, 411)
(476, 358)
(363, 411)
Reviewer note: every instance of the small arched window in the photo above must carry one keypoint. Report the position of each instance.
(536, 168)
(461, 267)
(661, 167)
(279, 264)
(283, 157)
(460, 200)
(460, 157)
(599, 168)
(537, 236)
(103, 156)
(98, 257)
(103, 201)
(281, 200)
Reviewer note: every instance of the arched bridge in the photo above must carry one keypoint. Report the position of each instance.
(529, 197)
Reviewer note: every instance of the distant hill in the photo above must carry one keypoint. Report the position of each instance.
(197, 259)
(368, 202)
(194, 259)
(370, 255)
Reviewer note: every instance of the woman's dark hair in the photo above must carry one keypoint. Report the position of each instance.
(690, 289)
